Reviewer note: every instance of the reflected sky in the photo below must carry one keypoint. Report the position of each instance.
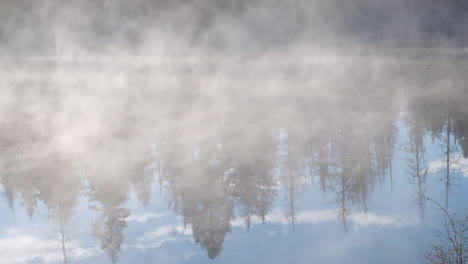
(329, 159)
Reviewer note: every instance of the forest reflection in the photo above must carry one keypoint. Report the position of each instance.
(222, 141)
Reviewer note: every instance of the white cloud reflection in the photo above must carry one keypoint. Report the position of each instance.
(17, 247)
(321, 216)
(457, 163)
(144, 217)
(158, 236)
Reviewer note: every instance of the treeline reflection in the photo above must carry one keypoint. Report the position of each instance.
(223, 147)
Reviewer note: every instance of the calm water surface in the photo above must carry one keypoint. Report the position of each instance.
(324, 160)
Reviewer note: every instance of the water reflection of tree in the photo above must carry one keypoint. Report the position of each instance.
(251, 177)
(32, 169)
(291, 174)
(352, 172)
(449, 128)
(61, 204)
(109, 181)
(441, 112)
(43, 177)
(360, 148)
(385, 140)
(199, 192)
(210, 214)
(217, 153)
(108, 227)
(416, 164)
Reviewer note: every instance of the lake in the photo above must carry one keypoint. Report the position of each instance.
(330, 158)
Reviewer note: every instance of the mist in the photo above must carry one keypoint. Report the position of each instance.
(224, 109)
(223, 28)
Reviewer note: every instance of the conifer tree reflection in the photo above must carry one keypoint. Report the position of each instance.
(385, 140)
(351, 173)
(416, 164)
(453, 134)
(61, 176)
(110, 224)
(250, 174)
(109, 186)
(199, 188)
(46, 177)
(291, 176)
(323, 164)
(139, 174)
(444, 114)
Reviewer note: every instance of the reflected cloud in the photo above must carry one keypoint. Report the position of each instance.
(17, 247)
(457, 163)
(314, 217)
(156, 237)
(144, 217)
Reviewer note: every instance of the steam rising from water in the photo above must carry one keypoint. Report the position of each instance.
(227, 105)
(223, 28)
